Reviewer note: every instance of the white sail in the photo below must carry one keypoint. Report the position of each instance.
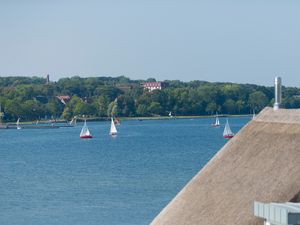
(85, 130)
(217, 123)
(18, 124)
(113, 129)
(227, 131)
(253, 116)
(73, 121)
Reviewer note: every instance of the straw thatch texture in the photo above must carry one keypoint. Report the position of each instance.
(279, 116)
(262, 162)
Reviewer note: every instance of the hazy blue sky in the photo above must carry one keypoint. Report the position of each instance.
(235, 41)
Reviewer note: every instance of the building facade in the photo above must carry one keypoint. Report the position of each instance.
(151, 86)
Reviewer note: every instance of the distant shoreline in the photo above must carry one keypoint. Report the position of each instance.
(179, 117)
(131, 118)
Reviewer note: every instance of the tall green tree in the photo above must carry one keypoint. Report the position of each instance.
(258, 100)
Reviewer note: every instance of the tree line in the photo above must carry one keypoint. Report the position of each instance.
(30, 98)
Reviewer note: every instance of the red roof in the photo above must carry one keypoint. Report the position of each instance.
(64, 97)
(152, 84)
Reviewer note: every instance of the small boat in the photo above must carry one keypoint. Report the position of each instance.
(217, 122)
(73, 121)
(253, 116)
(227, 131)
(18, 124)
(170, 114)
(85, 133)
(117, 122)
(113, 129)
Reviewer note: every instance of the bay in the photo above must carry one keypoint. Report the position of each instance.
(51, 176)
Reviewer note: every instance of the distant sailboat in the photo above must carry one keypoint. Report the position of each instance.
(253, 116)
(85, 133)
(1, 114)
(227, 131)
(18, 124)
(170, 114)
(217, 122)
(113, 129)
(73, 121)
(117, 122)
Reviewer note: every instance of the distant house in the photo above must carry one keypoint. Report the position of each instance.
(64, 99)
(154, 85)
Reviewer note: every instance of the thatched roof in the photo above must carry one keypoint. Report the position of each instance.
(262, 162)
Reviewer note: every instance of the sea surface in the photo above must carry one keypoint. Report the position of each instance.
(52, 177)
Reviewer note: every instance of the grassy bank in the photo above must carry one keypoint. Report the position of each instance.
(130, 118)
(162, 117)
(178, 117)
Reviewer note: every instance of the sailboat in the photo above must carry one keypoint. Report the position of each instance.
(253, 116)
(113, 129)
(18, 124)
(117, 122)
(217, 122)
(73, 121)
(85, 133)
(170, 114)
(227, 131)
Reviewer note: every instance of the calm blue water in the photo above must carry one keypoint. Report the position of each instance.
(52, 177)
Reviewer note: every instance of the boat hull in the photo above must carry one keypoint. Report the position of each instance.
(113, 133)
(215, 125)
(86, 136)
(228, 136)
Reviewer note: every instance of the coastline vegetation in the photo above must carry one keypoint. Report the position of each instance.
(31, 98)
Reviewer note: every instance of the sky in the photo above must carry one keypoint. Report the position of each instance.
(219, 41)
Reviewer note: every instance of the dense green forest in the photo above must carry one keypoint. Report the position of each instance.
(31, 98)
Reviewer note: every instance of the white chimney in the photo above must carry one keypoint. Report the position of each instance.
(277, 91)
